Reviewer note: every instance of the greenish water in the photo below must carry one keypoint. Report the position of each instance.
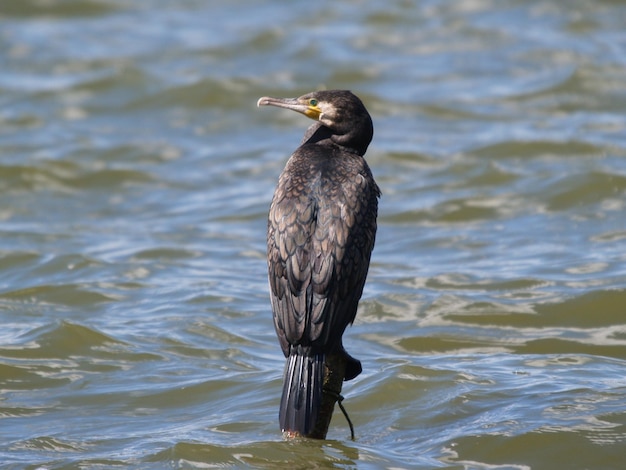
(135, 179)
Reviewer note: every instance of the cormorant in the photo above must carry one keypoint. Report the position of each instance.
(320, 235)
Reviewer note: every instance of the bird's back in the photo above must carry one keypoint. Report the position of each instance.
(321, 231)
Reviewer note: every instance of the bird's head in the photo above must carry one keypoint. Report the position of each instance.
(342, 112)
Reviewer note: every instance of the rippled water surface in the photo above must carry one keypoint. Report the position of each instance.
(135, 178)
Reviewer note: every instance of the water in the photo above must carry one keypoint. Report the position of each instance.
(135, 179)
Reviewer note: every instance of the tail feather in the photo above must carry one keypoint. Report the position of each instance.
(302, 390)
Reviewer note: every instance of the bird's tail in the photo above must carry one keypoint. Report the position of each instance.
(302, 390)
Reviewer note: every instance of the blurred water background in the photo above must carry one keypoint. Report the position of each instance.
(135, 179)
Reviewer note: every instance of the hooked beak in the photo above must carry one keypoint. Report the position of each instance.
(295, 104)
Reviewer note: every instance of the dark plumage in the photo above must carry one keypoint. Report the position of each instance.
(320, 235)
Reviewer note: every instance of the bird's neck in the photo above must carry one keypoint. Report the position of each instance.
(322, 135)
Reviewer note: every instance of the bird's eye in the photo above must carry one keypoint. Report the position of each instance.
(313, 102)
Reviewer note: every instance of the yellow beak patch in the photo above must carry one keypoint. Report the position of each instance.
(313, 111)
